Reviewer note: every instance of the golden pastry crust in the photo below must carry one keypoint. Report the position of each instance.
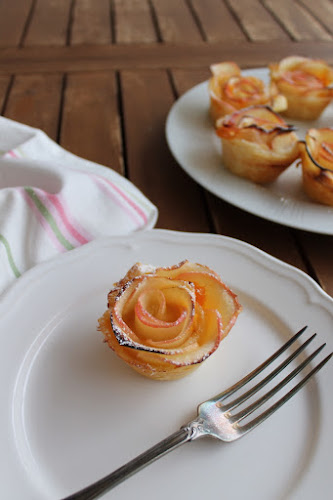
(316, 154)
(257, 144)
(164, 322)
(306, 83)
(229, 91)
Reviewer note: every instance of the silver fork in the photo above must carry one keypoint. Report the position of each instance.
(217, 418)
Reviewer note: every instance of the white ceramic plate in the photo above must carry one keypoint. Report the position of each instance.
(197, 149)
(72, 411)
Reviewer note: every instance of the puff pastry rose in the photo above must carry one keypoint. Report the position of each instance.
(230, 91)
(306, 83)
(257, 143)
(317, 165)
(165, 321)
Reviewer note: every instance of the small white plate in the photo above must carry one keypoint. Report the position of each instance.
(73, 412)
(197, 149)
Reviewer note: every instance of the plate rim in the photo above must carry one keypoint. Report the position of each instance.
(38, 271)
(250, 251)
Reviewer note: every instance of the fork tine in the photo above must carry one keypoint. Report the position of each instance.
(259, 402)
(241, 399)
(267, 413)
(234, 388)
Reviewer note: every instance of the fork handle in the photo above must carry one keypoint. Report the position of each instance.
(108, 482)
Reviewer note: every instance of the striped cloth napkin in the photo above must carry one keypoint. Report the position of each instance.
(52, 201)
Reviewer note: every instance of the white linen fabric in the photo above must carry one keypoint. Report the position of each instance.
(52, 201)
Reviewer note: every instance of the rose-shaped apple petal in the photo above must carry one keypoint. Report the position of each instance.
(166, 321)
(225, 70)
(124, 315)
(306, 83)
(202, 344)
(212, 294)
(170, 323)
(257, 143)
(230, 91)
(317, 165)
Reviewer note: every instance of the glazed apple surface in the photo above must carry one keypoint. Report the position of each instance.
(317, 165)
(230, 91)
(306, 83)
(166, 321)
(257, 143)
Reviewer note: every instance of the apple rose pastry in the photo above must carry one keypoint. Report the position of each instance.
(317, 165)
(306, 83)
(165, 321)
(257, 143)
(229, 91)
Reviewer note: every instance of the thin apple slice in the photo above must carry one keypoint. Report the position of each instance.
(317, 165)
(168, 320)
(306, 84)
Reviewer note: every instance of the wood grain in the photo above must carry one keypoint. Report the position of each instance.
(36, 101)
(91, 23)
(13, 18)
(184, 79)
(322, 10)
(147, 97)
(154, 56)
(49, 24)
(4, 85)
(175, 21)
(90, 125)
(133, 20)
(299, 23)
(317, 249)
(257, 21)
(274, 239)
(217, 22)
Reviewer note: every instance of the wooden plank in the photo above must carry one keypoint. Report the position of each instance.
(133, 22)
(275, 239)
(321, 10)
(49, 24)
(176, 22)
(180, 55)
(4, 85)
(231, 221)
(35, 100)
(318, 249)
(13, 18)
(217, 22)
(90, 121)
(257, 21)
(147, 98)
(185, 79)
(91, 22)
(299, 23)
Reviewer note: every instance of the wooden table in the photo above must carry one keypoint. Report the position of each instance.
(99, 77)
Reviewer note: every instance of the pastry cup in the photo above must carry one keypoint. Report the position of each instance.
(257, 144)
(316, 154)
(306, 83)
(164, 322)
(229, 91)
